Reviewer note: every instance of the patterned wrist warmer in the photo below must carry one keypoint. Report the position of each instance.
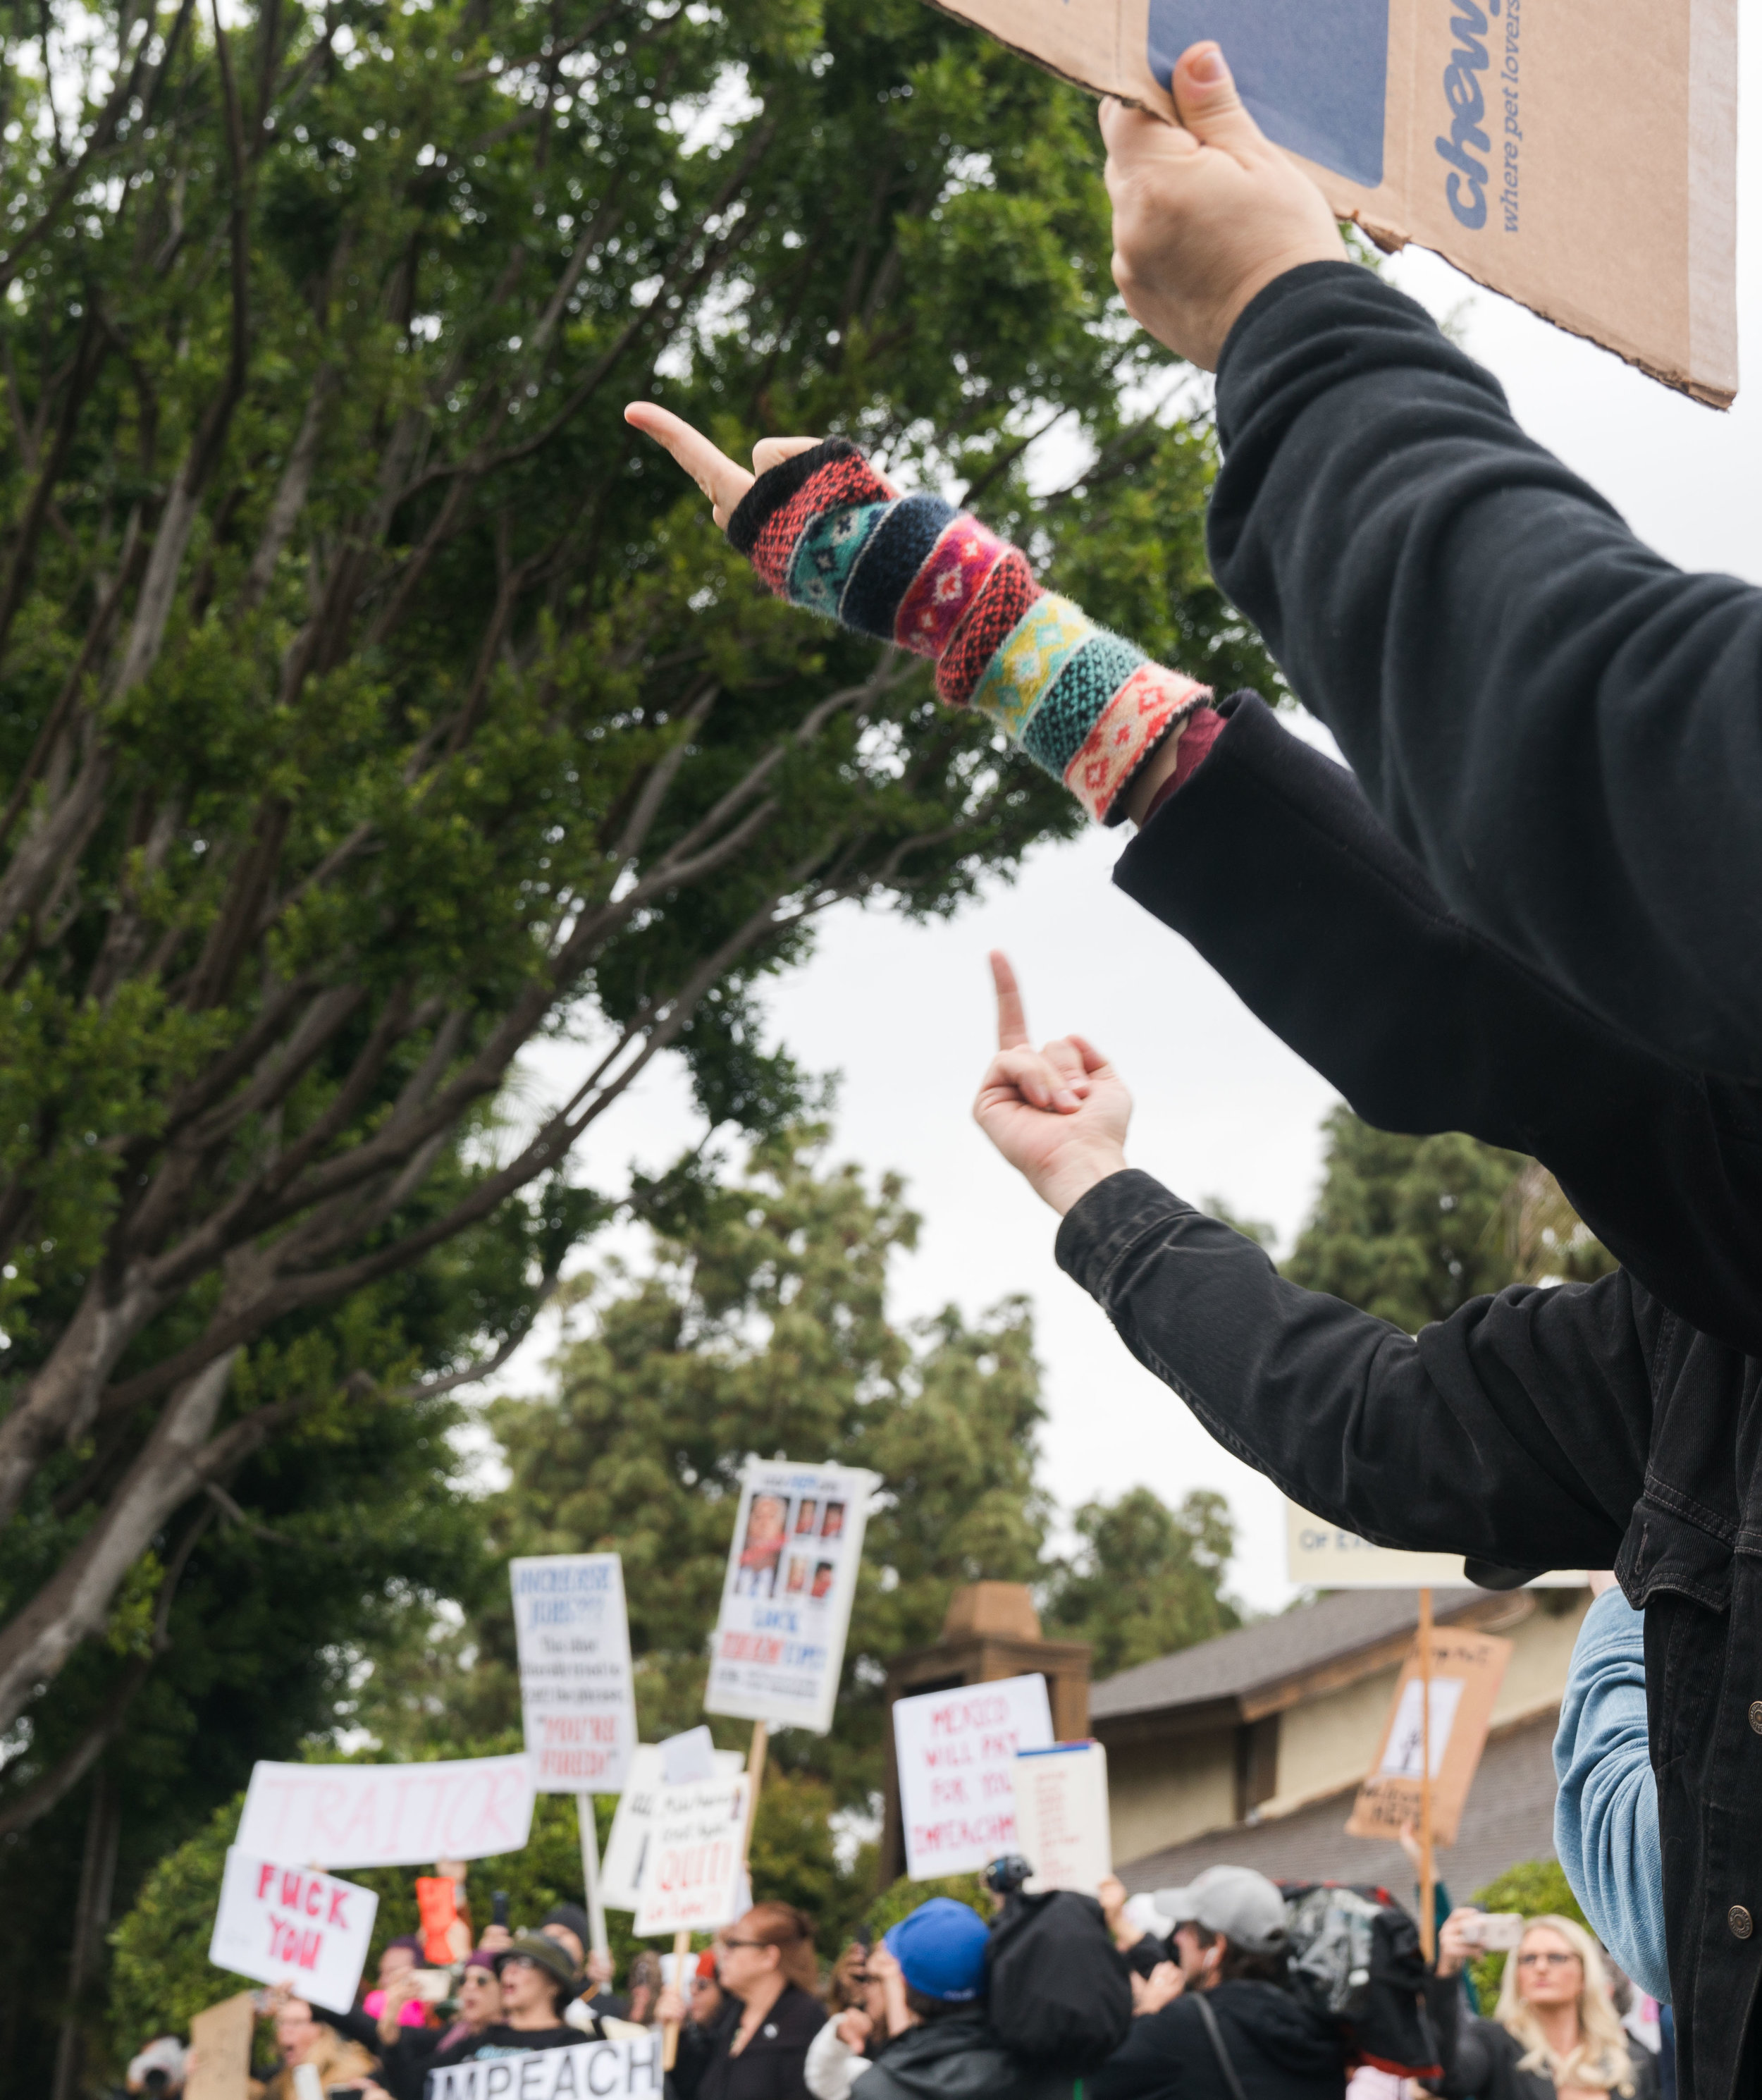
(825, 532)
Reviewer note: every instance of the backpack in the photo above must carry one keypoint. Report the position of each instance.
(1354, 1955)
(1059, 1990)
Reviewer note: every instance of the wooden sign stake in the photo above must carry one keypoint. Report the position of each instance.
(670, 2031)
(1428, 1900)
(755, 1757)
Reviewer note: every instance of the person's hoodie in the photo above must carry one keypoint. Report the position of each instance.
(961, 2057)
(1279, 2049)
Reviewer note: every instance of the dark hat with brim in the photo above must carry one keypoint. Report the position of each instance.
(546, 1953)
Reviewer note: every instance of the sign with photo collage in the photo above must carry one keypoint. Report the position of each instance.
(787, 1592)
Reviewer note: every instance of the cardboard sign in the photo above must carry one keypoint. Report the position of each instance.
(1580, 159)
(590, 2071)
(1061, 1816)
(792, 1577)
(956, 1754)
(1467, 1670)
(387, 1815)
(694, 1881)
(1327, 1557)
(629, 1847)
(575, 1689)
(291, 1925)
(220, 2041)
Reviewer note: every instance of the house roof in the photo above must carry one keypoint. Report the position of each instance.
(1249, 1667)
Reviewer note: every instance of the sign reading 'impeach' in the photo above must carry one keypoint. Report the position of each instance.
(591, 2071)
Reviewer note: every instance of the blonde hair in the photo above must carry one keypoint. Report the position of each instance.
(1601, 2061)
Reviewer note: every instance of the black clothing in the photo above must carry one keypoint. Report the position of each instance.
(1563, 727)
(769, 2067)
(1585, 1426)
(961, 2058)
(1280, 2051)
(606, 2004)
(1332, 935)
(1481, 2059)
(503, 2040)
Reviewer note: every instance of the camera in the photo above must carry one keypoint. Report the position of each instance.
(1005, 1877)
(156, 2082)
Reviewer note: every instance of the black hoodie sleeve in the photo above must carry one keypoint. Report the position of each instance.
(1271, 861)
(1563, 727)
(1514, 1433)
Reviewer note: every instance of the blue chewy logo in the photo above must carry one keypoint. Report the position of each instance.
(1315, 77)
(1465, 186)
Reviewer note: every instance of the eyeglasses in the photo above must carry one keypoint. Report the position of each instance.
(1552, 1961)
(728, 1940)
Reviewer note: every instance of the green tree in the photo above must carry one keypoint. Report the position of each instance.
(1538, 1888)
(1145, 1579)
(1409, 1228)
(761, 1326)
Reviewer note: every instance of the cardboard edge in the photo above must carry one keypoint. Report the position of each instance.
(1711, 175)
(1164, 109)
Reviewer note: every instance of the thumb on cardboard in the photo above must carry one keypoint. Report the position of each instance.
(1210, 106)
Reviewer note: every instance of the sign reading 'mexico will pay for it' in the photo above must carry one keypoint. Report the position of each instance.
(1581, 159)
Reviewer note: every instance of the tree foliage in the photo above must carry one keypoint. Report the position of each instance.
(1145, 1579)
(1409, 1228)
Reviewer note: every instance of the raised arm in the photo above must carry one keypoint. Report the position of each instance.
(1565, 728)
(1271, 861)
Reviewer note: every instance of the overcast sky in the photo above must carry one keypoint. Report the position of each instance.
(903, 1012)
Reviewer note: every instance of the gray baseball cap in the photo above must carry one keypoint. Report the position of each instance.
(1244, 1906)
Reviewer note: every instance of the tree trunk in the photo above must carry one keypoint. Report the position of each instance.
(91, 1915)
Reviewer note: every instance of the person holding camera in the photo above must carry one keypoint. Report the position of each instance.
(1554, 2030)
(857, 2030)
(1224, 2025)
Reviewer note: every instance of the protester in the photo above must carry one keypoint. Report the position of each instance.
(1229, 2009)
(1606, 1812)
(568, 1925)
(707, 1998)
(940, 2044)
(398, 1958)
(644, 1989)
(301, 2037)
(1553, 2031)
(536, 1981)
(857, 2029)
(407, 2054)
(757, 2046)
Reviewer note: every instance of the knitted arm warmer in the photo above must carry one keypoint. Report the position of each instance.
(825, 532)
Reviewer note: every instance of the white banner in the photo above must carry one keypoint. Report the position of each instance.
(575, 1690)
(957, 1770)
(1061, 1816)
(590, 2071)
(290, 1924)
(792, 1577)
(1323, 1554)
(629, 1848)
(694, 1881)
(387, 1815)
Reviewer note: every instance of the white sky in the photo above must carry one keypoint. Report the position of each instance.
(903, 1012)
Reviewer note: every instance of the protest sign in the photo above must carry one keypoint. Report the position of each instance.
(1327, 1557)
(629, 1846)
(1467, 1670)
(956, 1756)
(696, 1876)
(387, 1815)
(220, 2044)
(280, 1923)
(791, 1575)
(1061, 1816)
(575, 1687)
(1580, 159)
(590, 2071)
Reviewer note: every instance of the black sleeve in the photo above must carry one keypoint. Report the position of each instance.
(1515, 1431)
(1145, 1955)
(1271, 861)
(1563, 727)
(1149, 2062)
(697, 2050)
(355, 2025)
(1467, 2047)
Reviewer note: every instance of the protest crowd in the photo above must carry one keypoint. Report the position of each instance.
(1376, 510)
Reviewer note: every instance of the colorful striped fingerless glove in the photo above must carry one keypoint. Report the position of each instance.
(825, 532)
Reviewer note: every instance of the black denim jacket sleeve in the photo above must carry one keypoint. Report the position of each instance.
(1515, 1431)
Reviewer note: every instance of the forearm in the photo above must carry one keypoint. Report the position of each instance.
(1515, 1432)
(825, 532)
(1606, 1813)
(1562, 726)
(1271, 861)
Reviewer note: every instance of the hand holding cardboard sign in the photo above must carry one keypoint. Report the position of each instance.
(1207, 213)
(720, 479)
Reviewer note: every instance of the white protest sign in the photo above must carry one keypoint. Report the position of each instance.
(387, 1815)
(575, 1690)
(278, 1922)
(687, 1758)
(956, 1753)
(590, 2071)
(1061, 1816)
(1329, 1557)
(628, 1847)
(791, 1575)
(694, 1881)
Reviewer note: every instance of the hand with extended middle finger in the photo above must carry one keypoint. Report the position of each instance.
(722, 480)
(1058, 1114)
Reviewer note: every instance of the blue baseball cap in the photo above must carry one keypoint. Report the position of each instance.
(942, 1949)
